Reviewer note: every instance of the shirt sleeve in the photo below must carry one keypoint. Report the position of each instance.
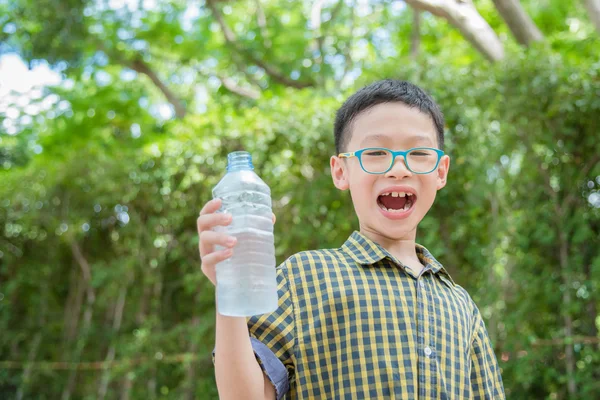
(486, 380)
(273, 337)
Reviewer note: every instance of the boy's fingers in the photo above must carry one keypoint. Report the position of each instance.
(274, 219)
(216, 257)
(208, 239)
(208, 221)
(211, 207)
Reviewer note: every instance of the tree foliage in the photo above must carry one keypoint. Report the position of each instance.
(101, 181)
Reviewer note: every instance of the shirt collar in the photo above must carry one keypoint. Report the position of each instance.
(366, 252)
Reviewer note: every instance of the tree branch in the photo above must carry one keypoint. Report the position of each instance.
(586, 170)
(85, 270)
(315, 24)
(593, 9)
(142, 67)
(463, 15)
(261, 20)
(415, 35)
(522, 27)
(180, 358)
(347, 52)
(269, 69)
(320, 28)
(240, 65)
(234, 88)
(14, 249)
(315, 15)
(335, 12)
(138, 65)
(562, 341)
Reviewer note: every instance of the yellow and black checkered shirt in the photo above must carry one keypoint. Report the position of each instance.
(353, 323)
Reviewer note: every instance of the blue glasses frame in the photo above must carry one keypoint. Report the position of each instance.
(358, 154)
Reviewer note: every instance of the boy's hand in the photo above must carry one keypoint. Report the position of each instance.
(208, 238)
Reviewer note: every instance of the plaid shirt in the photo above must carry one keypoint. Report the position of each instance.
(353, 323)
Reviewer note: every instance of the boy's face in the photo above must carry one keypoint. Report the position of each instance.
(397, 127)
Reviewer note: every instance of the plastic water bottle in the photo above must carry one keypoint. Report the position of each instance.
(246, 282)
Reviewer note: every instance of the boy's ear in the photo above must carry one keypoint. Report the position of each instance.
(442, 171)
(339, 173)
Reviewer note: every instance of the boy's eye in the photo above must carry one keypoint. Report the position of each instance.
(376, 153)
(421, 153)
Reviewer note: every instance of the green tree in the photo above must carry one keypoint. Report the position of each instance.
(101, 295)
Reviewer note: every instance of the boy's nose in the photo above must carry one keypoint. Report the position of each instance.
(399, 169)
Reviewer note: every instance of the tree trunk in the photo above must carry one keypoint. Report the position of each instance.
(110, 356)
(190, 373)
(22, 391)
(463, 15)
(156, 300)
(140, 317)
(27, 373)
(126, 386)
(522, 27)
(567, 318)
(492, 278)
(87, 316)
(592, 311)
(72, 309)
(593, 9)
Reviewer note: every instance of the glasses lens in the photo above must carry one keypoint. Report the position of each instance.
(376, 160)
(422, 160)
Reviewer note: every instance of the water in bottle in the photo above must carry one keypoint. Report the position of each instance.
(246, 282)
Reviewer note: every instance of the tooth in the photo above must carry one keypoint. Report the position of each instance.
(384, 207)
(402, 194)
(394, 194)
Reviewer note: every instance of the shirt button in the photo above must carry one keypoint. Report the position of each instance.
(427, 351)
(422, 284)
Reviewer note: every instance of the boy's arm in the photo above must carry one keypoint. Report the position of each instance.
(486, 381)
(254, 357)
(273, 336)
(237, 371)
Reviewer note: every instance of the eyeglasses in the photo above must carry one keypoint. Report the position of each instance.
(379, 160)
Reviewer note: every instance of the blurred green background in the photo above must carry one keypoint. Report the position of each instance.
(106, 162)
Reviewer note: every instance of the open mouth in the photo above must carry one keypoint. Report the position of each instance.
(396, 201)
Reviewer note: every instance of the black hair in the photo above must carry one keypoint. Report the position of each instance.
(385, 91)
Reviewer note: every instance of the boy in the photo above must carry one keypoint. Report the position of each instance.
(379, 317)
